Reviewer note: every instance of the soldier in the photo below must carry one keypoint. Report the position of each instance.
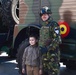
(49, 42)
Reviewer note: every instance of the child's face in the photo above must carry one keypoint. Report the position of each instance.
(45, 17)
(32, 41)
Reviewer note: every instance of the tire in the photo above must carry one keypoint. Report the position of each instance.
(21, 48)
(7, 18)
(9, 10)
(12, 53)
(71, 65)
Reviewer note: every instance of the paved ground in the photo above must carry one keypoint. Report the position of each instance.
(8, 67)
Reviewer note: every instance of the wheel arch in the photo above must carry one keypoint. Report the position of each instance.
(24, 34)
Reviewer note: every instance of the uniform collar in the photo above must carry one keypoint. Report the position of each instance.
(45, 23)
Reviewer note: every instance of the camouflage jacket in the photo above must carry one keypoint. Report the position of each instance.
(50, 34)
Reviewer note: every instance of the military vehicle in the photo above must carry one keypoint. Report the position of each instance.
(9, 16)
(63, 11)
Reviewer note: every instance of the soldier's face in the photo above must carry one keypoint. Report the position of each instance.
(32, 41)
(45, 17)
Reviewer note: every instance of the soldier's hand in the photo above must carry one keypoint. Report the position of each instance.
(40, 72)
(23, 70)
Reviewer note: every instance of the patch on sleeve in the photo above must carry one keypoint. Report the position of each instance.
(56, 30)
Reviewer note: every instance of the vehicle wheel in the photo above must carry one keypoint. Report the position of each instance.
(21, 48)
(9, 8)
(71, 65)
(12, 54)
(15, 10)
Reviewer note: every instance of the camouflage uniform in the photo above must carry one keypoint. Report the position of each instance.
(49, 41)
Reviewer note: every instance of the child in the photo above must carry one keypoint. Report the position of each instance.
(32, 58)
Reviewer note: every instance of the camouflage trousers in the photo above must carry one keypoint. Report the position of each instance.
(51, 62)
(51, 70)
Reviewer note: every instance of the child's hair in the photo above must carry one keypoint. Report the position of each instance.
(35, 36)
